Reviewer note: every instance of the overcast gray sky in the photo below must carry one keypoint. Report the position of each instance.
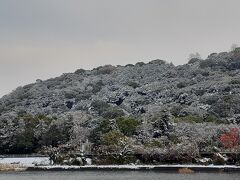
(45, 38)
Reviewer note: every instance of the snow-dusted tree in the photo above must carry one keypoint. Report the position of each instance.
(233, 47)
(194, 56)
(80, 129)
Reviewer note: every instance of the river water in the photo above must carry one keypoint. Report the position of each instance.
(115, 175)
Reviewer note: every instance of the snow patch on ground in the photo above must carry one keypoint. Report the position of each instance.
(44, 163)
(137, 166)
(26, 161)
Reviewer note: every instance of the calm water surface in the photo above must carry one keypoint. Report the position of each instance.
(125, 175)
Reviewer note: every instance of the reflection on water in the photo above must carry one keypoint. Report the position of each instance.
(118, 175)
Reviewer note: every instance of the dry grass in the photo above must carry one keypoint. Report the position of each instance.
(11, 167)
(185, 171)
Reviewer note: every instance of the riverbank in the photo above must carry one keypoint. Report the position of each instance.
(156, 168)
(42, 164)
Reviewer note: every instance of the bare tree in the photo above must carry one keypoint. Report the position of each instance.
(233, 47)
(194, 56)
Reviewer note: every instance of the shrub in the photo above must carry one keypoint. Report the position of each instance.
(194, 56)
(103, 127)
(184, 152)
(97, 87)
(237, 50)
(231, 139)
(226, 105)
(207, 63)
(69, 94)
(113, 138)
(154, 144)
(115, 148)
(236, 54)
(181, 84)
(140, 64)
(176, 110)
(83, 96)
(26, 139)
(80, 71)
(112, 113)
(200, 92)
(127, 125)
(211, 118)
(133, 84)
(129, 65)
(30, 133)
(234, 81)
(57, 133)
(189, 119)
(24, 142)
(107, 69)
(214, 64)
(157, 61)
(205, 73)
(235, 64)
(210, 100)
(45, 118)
(193, 60)
(100, 106)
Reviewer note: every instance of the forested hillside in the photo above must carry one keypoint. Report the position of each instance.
(164, 112)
